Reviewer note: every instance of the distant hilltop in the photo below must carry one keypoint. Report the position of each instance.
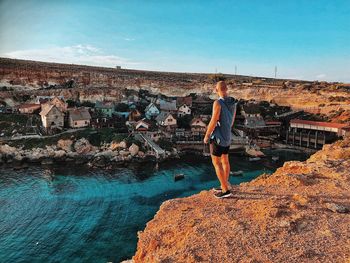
(39, 74)
(20, 63)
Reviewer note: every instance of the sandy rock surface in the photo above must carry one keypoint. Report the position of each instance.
(65, 144)
(298, 214)
(117, 145)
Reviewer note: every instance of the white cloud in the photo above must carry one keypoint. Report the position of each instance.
(77, 54)
(129, 39)
(321, 76)
(297, 77)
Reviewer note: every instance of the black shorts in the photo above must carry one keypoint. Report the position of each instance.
(218, 150)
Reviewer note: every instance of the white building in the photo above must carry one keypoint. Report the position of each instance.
(198, 125)
(141, 125)
(183, 110)
(166, 120)
(52, 117)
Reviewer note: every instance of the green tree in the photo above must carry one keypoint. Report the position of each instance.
(122, 107)
(71, 103)
(87, 104)
(184, 122)
(165, 144)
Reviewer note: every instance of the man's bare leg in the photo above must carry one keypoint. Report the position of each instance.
(220, 172)
(226, 167)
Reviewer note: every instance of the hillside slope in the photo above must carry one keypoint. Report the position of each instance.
(78, 82)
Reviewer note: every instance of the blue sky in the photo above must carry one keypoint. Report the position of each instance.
(304, 39)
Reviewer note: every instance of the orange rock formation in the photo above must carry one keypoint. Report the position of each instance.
(300, 213)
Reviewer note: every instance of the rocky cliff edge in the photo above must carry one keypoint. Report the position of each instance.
(300, 213)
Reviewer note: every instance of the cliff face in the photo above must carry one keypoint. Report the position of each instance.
(325, 100)
(96, 83)
(297, 214)
(30, 76)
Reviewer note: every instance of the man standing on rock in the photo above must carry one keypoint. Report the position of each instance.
(219, 136)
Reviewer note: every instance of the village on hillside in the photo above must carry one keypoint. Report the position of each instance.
(161, 123)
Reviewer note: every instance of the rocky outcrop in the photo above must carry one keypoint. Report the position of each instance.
(133, 149)
(6, 149)
(300, 213)
(83, 146)
(80, 151)
(117, 145)
(65, 144)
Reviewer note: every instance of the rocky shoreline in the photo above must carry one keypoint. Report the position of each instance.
(79, 152)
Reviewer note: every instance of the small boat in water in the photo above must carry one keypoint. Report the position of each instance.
(253, 159)
(254, 151)
(236, 173)
(156, 167)
(178, 177)
(47, 162)
(275, 158)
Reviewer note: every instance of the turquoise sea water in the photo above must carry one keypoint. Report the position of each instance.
(73, 214)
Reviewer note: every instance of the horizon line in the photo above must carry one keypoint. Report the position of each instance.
(174, 72)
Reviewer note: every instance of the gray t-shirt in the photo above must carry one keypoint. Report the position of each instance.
(222, 132)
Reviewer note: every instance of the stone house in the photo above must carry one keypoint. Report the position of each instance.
(104, 122)
(252, 116)
(251, 110)
(166, 120)
(52, 117)
(58, 102)
(198, 125)
(142, 126)
(151, 111)
(79, 118)
(183, 110)
(184, 100)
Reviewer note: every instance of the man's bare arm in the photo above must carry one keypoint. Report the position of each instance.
(234, 115)
(214, 119)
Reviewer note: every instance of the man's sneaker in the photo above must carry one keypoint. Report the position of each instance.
(217, 189)
(223, 195)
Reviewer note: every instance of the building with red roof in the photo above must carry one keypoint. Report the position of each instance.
(318, 125)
